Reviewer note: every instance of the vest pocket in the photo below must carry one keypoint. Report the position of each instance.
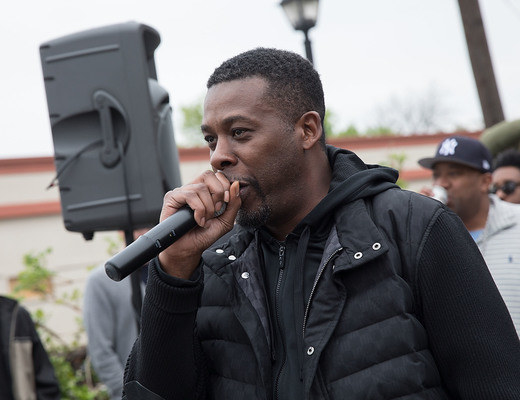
(319, 388)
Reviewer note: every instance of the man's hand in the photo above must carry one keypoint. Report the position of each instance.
(205, 196)
(426, 191)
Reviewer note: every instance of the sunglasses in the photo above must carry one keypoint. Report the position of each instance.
(508, 187)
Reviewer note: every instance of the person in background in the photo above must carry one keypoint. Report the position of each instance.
(462, 166)
(506, 176)
(26, 372)
(111, 314)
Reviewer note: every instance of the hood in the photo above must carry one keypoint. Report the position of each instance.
(352, 179)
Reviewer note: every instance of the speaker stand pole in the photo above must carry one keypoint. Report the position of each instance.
(135, 281)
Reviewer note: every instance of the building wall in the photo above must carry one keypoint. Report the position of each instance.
(30, 216)
(31, 222)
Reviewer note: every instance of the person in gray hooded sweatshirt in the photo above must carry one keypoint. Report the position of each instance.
(322, 279)
(111, 313)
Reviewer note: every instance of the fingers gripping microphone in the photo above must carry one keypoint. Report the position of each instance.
(150, 244)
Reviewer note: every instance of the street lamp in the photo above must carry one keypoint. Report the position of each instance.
(303, 15)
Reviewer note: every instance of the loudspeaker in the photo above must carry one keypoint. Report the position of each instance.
(114, 146)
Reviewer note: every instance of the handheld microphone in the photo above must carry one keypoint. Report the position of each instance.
(150, 244)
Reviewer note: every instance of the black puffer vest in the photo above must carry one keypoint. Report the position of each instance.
(363, 338)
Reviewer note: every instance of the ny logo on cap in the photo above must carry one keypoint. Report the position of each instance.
(448, 147)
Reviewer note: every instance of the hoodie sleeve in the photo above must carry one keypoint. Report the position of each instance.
(166, 358)
(471, 333)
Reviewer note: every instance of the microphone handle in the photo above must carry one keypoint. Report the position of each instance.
(149, 245)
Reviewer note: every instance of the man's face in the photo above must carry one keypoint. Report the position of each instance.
(251, 142)
(466, 187)
(506, 181)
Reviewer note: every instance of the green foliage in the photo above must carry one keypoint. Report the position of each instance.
(379, 131)
(328, 123)
(192, 116)
(351, 131)
(69, 359)
(35, 276)
(191, 122)
(113, 246)
(73, 381)
(396, 161)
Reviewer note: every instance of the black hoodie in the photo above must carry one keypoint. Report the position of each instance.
(290, 266)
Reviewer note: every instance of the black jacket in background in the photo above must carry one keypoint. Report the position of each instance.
(17, 330)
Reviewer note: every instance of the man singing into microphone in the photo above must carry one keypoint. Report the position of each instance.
(334, 283)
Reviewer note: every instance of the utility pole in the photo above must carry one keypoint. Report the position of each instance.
(481, 62)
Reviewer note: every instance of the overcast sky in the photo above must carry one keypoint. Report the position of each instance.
(369, 54)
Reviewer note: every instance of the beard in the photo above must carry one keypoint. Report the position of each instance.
(254, 218)
(257, 217)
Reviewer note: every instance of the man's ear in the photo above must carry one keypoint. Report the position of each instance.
(486, 181)
(311, 130)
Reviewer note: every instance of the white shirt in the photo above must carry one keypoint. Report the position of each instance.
(500, 246)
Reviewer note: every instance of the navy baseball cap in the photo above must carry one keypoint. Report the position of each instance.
(461, 150)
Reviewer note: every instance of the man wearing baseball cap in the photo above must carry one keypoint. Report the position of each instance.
(462, 168)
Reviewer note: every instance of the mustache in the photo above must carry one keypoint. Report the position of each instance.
(245, 181)
(241, 180)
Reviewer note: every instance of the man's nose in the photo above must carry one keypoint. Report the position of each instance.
(441, 181)
(222, 156)
(501, 194)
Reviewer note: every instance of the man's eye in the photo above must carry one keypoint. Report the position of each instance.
(209, 139)
(237, 132)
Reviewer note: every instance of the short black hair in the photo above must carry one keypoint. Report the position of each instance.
(294, 85)
(508, 158)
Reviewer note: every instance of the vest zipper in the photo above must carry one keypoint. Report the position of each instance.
(281, 262)
(320, 272)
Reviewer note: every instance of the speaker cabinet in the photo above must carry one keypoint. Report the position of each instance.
(112, 130)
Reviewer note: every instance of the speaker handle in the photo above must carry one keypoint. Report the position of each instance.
(103, 102)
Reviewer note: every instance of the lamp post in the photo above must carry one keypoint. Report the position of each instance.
(303, 15)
